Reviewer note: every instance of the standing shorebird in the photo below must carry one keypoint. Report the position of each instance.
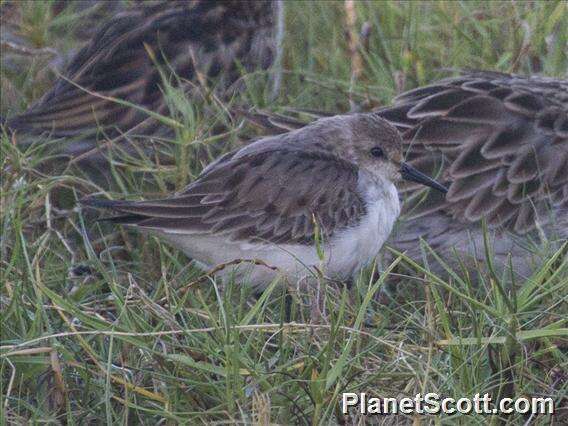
(190, 44)
(331, 182)
(499, 142)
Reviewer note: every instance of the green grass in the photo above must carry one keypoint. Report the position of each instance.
(138, 335)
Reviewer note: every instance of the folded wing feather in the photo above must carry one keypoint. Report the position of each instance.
(239, 198)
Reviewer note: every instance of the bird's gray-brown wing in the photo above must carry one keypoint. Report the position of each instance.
(127, 59)
(276, 196)
(498, 141)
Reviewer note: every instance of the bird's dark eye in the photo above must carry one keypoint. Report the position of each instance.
(377, 152)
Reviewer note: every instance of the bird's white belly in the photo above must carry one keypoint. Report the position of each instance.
(348, 250)
(291, 260)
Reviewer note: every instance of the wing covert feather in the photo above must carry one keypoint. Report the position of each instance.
(273, 196)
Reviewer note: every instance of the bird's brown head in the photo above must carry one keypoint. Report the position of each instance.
(374, 145)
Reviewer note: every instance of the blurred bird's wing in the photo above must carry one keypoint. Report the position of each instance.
(498, 141)
(129, 57)
(274, 196)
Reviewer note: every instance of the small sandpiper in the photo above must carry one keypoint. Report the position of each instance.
(322, 197)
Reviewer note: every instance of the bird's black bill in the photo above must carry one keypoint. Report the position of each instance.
(410, 173)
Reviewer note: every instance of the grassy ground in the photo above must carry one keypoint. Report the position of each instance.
(102, 325)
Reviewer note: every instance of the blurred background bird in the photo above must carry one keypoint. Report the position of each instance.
(113, 88)
(499, 142)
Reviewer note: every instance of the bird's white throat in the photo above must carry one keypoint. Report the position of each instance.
(354, 248)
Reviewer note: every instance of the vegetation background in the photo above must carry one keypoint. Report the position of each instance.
(100, 325)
